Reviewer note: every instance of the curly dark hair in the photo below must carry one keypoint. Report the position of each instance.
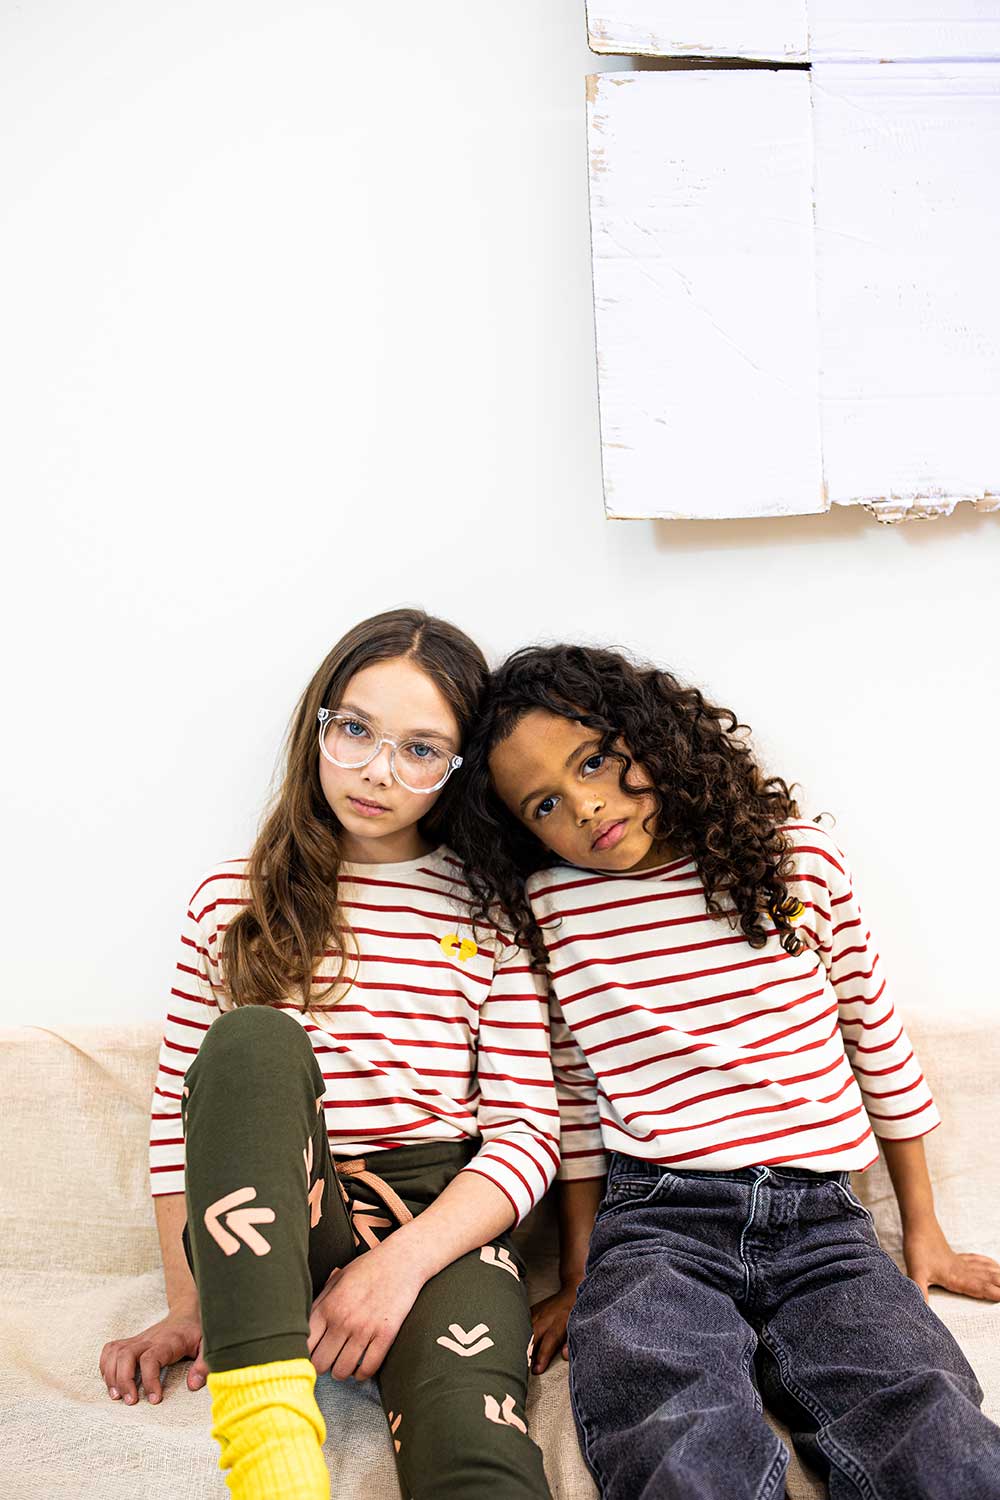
(713, 802)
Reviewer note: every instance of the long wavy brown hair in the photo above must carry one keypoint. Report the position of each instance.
(271, 948)
(713, 802)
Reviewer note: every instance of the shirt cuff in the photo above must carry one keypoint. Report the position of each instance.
(164, 1179)
(906, 1126)
(522, 1169)
(583, 1162)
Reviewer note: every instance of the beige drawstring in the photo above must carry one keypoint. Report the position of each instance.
(363, 1218)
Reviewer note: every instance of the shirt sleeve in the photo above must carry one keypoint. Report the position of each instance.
(518, 1115)
(192, 1007)
(893, 1088)
(581, 1145)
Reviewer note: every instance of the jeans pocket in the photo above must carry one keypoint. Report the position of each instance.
(634, 1192)
(852, 1202)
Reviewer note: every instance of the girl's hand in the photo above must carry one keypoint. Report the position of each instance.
(930, 1261)
(358, 1313)
(548, 1321)
(126, 1362)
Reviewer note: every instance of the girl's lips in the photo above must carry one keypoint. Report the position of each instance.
(366, 809)
(611, 836)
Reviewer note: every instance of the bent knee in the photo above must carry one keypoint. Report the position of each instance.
(254, 1037)
(939, 1389)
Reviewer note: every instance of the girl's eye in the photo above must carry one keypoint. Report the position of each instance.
(545, 807)
(355, 729)
(423, 752)
(594, 763)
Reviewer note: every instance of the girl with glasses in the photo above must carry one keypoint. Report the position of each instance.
(354, 1104)
(726, 1051)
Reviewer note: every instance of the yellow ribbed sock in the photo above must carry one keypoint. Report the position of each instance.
(271, 1431)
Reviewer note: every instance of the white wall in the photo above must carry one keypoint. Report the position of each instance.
(296, 325)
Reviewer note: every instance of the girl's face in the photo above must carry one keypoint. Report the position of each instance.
(551, 775)
(379, 817)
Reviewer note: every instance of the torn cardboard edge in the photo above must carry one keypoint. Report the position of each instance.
(889, 512)
(923, 508)
(799, 31)
(764, 32)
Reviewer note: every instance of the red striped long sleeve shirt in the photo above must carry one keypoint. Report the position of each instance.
(675, 1041)
(437, 1039)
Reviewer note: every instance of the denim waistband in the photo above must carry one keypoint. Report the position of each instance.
(633, 1166)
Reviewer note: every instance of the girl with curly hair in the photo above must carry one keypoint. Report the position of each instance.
(726, 1053)
(354, 1104)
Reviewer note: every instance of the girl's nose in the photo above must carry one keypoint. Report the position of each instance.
(379, 770)
(588, 809)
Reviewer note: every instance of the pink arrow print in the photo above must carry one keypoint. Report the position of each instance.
(365, 1221)
(238, 1220)
(315, 1193)
(499, 1257)
(467, 1344)
(505, 1415)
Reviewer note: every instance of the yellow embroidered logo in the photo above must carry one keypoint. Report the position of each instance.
(453, 945)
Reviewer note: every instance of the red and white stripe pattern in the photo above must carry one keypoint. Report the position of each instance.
(426, 1045)
(675, 1041)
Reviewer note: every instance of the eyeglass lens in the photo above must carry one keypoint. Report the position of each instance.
(417, 764)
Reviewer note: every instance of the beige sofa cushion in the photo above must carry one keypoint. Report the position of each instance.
(80, 1263)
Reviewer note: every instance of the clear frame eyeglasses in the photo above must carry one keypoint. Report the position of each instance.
(418, 765)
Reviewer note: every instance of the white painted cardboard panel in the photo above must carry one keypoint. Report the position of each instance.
(764, 30)
(797, 30)
(903, 30)
(907, 229)
(735, 335)
(704, 293)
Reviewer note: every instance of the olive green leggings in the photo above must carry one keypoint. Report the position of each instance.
(267, 1222)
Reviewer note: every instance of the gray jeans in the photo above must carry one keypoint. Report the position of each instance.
(706, 1290)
